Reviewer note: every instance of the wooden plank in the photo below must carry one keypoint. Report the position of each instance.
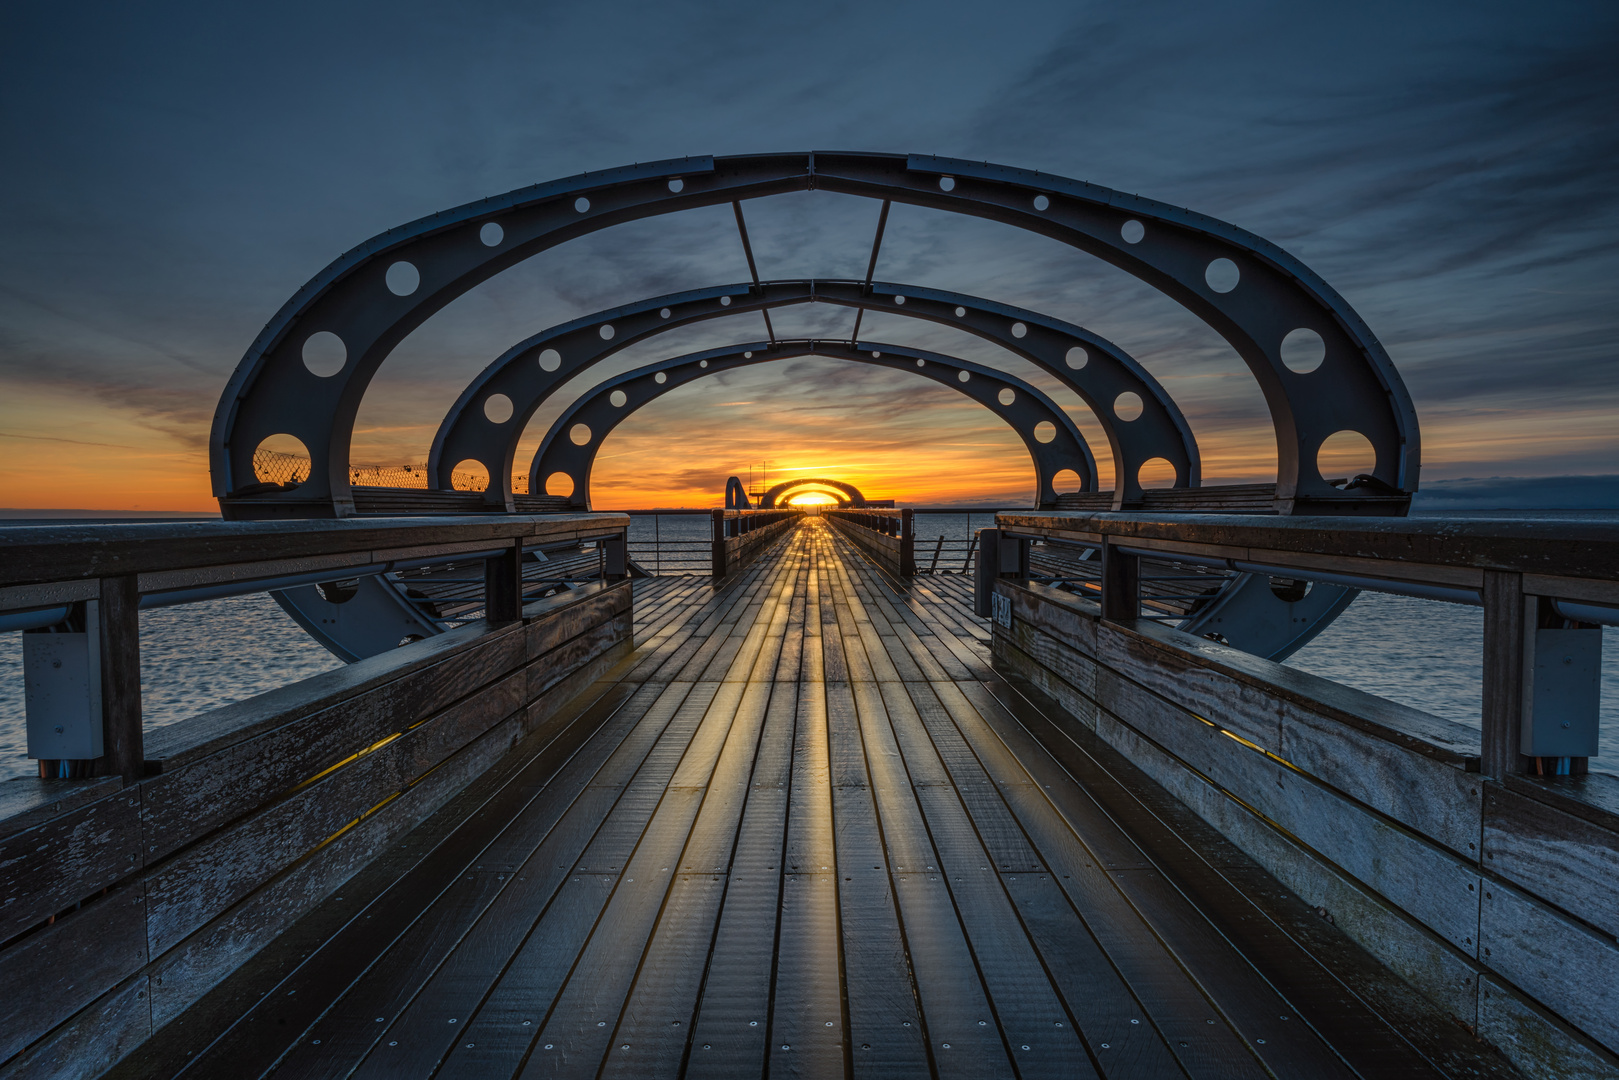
(318, 963)
(731, 1029)
(53, 973)
(497, 979)
(1567, 861)
(92, 1041)
(193, 799)
(50, 867)
(884, 1020)
(1414, 953)
(1570, 969)
(199, 883)
(1435, 887)
(1535, 1043)
(657, 1016)
(807, 1034)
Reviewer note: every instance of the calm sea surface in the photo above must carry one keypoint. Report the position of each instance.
(1420, 653)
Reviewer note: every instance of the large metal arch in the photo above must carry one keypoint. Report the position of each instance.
(1160, 431)
(1355, 387)
(600, 413)
(770, 498)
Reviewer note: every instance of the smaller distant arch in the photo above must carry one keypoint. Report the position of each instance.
(774, 497)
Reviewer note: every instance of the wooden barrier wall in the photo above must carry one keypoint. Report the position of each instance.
(122, 905)
(1496, 898)
(888, 539)
(754, 531)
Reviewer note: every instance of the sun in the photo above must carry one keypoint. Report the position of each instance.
(812, 498)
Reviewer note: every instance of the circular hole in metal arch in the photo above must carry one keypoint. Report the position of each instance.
(559, 483)
(664, 313)
(1019, 330)
(619, 399)
(606, 331)
(704, 363)
(1344, 455)
(677, 185)
(900, 300)
(581, 204)
(1303, 351)
(964, 375)
(1006, 396)
(1128, 406)
(498, 408)
(402, 278)
(725, 301)
(1066, 480)
(1222, 275)
(324, 353)
(284, 460)
(660, 378)
(491, 234)
(1132, 231)
(1156, 474)
(1290, 590)
(470, 475)
(1045, 431)
(960, 311)
(1077, 358)
(550, 360)
(1041, 202)
(947, 183)
(579, 434)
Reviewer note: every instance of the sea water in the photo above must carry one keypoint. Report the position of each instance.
(1421, 653)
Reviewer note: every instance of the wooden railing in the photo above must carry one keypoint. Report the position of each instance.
(1442, 849)
(125, 897)
(739, 535)
(887, 537)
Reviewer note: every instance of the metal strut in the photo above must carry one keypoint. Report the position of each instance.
(871, 267)
(747, 249)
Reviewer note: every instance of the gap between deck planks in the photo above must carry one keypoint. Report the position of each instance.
(813, 835)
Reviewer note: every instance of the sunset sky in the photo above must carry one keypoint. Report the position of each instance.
(174, 172)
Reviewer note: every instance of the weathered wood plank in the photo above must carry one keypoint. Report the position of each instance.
(92, 1041)
(1557, 961)
(50, 867)
(51, 974)
(1567, 861)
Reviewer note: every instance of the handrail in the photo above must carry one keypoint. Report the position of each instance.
(90, 582)
(1535, 580)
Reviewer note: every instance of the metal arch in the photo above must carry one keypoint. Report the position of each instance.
(1356, 387)
(1161, 431)
(1029, 407)
(736, 496)
(852, 494)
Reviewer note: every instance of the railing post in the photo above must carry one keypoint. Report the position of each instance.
(1504, 637)
(503, 585)
(1121, 583)
(986, 569)
(119, 636)
(718, 518)
(907, 543)
(615, 556)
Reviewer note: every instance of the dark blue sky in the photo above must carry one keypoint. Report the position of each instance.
(172, 173)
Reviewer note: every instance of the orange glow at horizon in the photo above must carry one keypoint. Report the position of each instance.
(69, 451)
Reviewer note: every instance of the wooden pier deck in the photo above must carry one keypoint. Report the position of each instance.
(805, 830)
